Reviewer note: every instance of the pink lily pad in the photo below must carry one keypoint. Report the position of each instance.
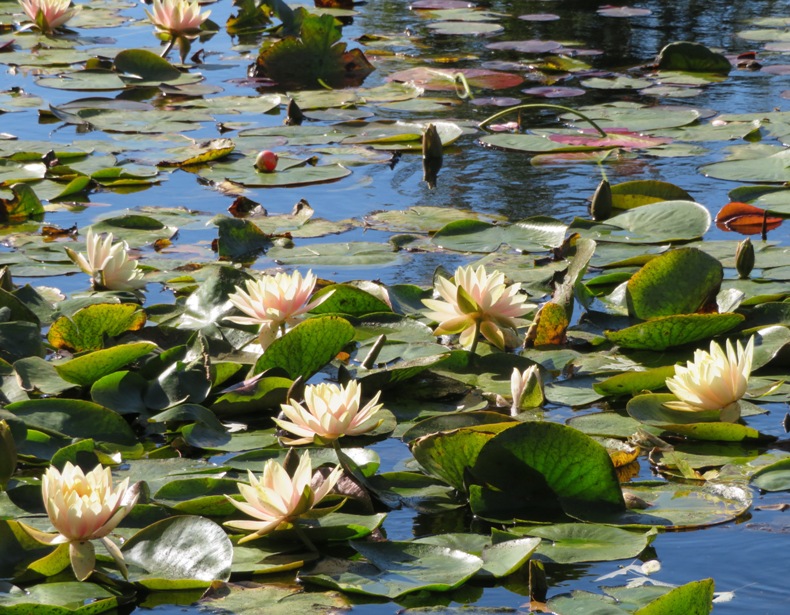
(443, 79)
(539, 17)
(776, 69)
(616, 137)
(435, 5)
(532, 46)
(495, 101)
(623, 11)
(549, 91)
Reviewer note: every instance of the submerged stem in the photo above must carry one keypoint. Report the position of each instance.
(304, 537)
(504, 112)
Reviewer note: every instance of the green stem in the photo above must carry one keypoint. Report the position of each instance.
(340, 458)
(303, 537)
(505, 112)
(465, 91)
(475, 340)
(168, 47)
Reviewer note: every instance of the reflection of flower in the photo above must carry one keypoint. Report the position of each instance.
(713, 381)
(275, 301)
(177, 17)
(82, 507)
(478, 301)
(278, 498)
(49, 15)
(109, 265)
(332, 412)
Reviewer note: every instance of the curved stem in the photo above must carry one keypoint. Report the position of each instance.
(504, 112)
(465, 91)
(458, 79)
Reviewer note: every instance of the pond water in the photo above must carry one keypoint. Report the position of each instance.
(749, 557)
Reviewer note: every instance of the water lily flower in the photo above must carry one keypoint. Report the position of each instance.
(332, 412)
(526, 389)
(81, 508)
(49, 15)
(177, 18)
(478, 302)
(275, 301)
(278, 498)
(713, 381)
(108, 265)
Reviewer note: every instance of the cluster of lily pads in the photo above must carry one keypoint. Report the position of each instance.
(243, 422)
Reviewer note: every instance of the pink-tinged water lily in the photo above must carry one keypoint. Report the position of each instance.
(177, 17)
(526, 389)
(48, 15)
(274, 302)
(81, 508)
(713, 381)
(332, 412)
(278, 498)
(478, 302)
(108, 265)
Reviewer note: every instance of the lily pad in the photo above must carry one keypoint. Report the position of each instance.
(394, 569)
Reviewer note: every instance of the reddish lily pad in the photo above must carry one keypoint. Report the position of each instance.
(466, 28)
(623, 11)
(553, 91)
(445, 80)
(746, 219)
(615, 138)
(431, 5)
(539, 17)
(532, 46)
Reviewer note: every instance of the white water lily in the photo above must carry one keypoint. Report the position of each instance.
(526, 389)
(83, 507)
(713, 381)
(108, 264)
(278, 498)
(177, 17)
(332, 412)
(478, 302)
(49, 15)
(274, 302)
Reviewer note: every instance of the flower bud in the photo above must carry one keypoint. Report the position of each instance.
(8, 455)
(744, 258)
(266, 161)
(601, 206)
(432, 154)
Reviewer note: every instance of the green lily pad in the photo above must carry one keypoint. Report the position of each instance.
(539, 460)
(654, 223)
(394, 569)
(768, 169)
(60, 598)
(88, 368)
(703, 425)
(74, 418)
(679, 281)
(773, 477)
(242, 171)
(450, 455)
(88, 328)
(670, 331)
(573, 543)
(143, 65)
(630, 194)
(693, 58)
(179, 553)
(307, 347)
